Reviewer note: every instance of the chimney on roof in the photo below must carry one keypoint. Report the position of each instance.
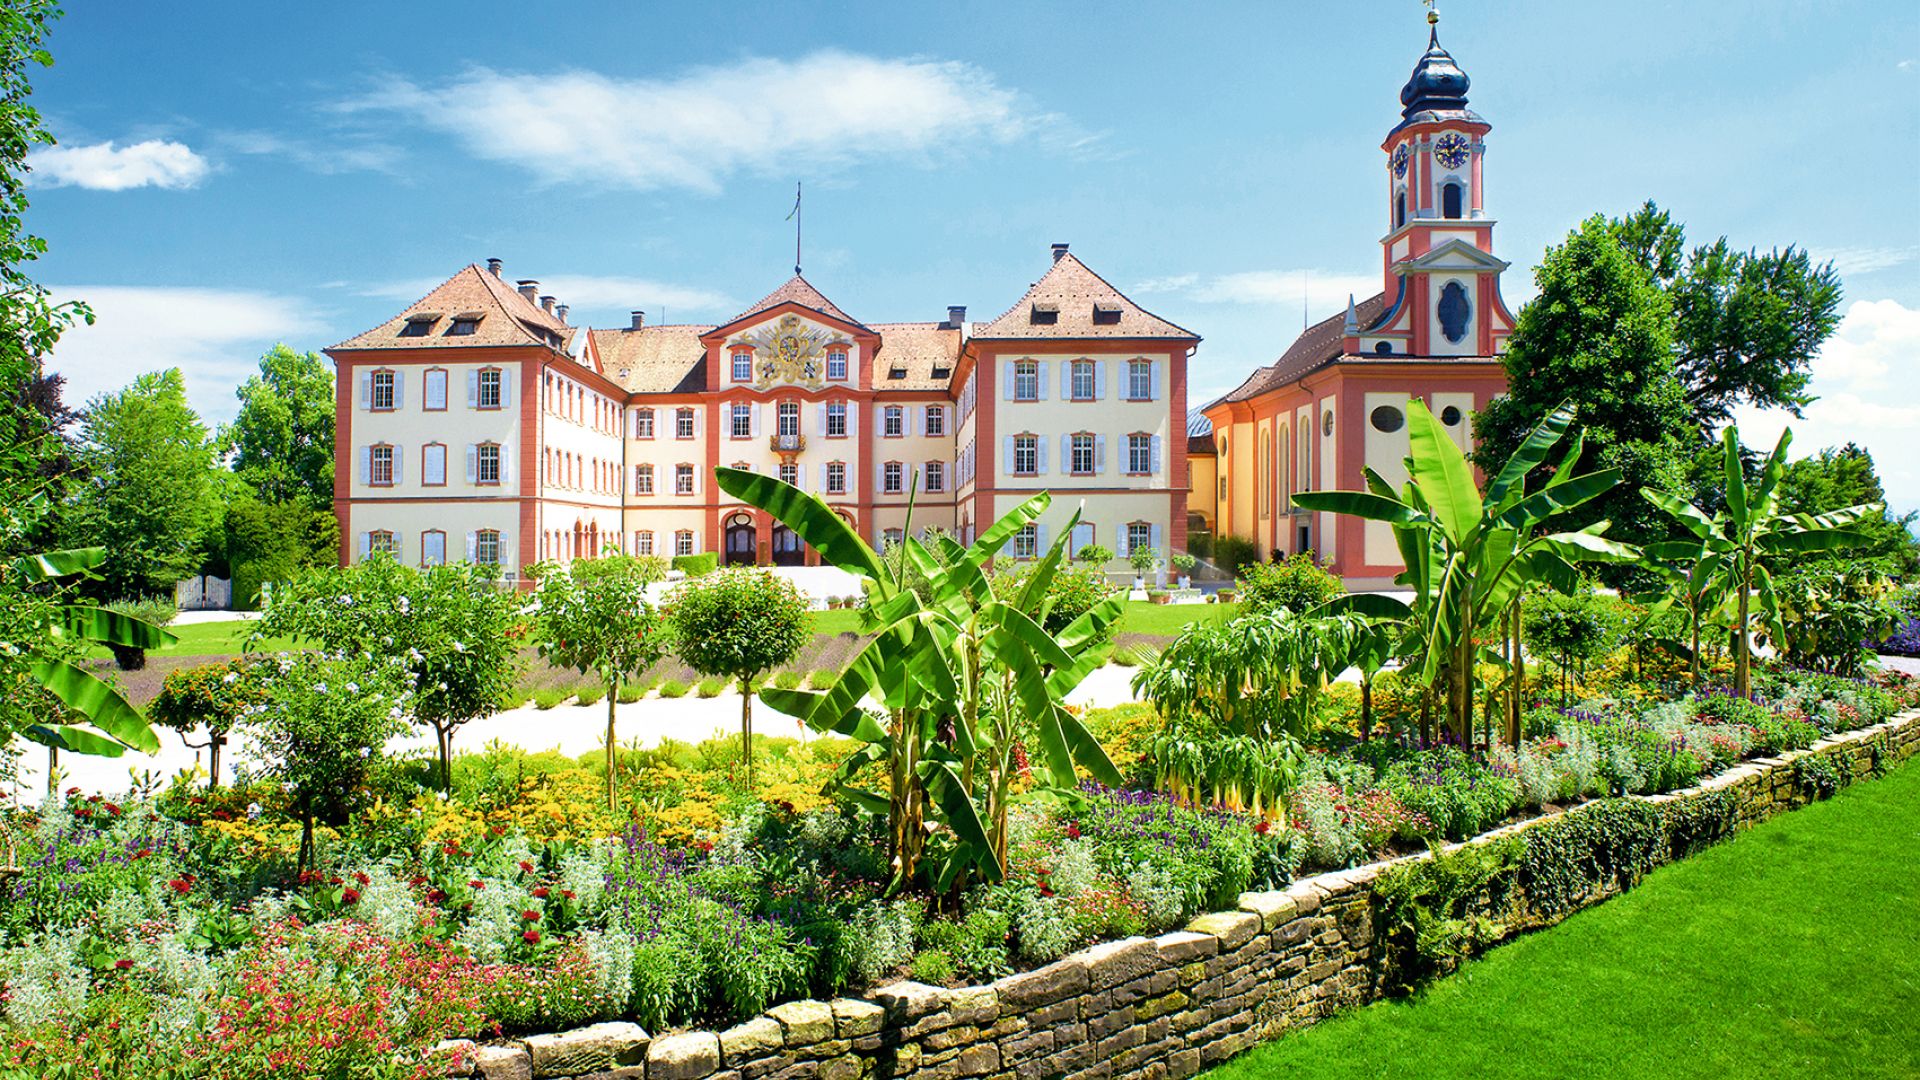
(639, 320)
(546, 304)
(560, 312)
(529, 288)
(493, 267)
(1059, 250)
(956, 317)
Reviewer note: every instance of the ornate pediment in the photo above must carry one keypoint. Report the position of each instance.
(788, 351)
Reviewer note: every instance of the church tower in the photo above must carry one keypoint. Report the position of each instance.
(1439, 272)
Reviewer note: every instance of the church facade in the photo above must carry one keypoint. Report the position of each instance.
(479, 424)
(1334, 403)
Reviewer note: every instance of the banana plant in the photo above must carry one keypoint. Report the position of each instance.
(1696, 588)
(1470, 556)
(953, 677)
(92, 716)
(1752, 533)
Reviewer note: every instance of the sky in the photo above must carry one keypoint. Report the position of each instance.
(229, 176)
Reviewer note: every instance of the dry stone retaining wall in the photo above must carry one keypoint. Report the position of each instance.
(1158, 1008)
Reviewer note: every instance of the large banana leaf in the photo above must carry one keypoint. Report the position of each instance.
(73, 738)
(101, 704)
(47, 565)
(108, 627)
(824, 530)
(1440, 470)
(1794, 543)
(1360, 504)
(996, 535)
(1532, 452)
(1559, 497)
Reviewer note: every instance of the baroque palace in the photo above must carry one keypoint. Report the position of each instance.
(479, 424)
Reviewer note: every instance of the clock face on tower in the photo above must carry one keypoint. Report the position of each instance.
(1400, 161)
(1450, 150)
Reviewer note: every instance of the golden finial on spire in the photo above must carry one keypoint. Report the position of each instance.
(1433, 13)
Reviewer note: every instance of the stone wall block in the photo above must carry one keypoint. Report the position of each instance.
(750, 1041)
(597, 1046)
(503, 1063)
(690, 1056)
(804, 1022)
(1181, 946)
(1233, 928)
(853, 1017)
(1057, 981)
(1114, 962)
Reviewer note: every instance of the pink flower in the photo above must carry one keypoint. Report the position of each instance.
(531, 937)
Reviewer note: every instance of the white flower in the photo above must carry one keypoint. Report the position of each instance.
(345, 600)
(253, 810)
(229, 677)
(459, 647)
(353, 688)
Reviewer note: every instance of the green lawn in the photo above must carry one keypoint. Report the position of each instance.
(1792, 951)
(210, 639)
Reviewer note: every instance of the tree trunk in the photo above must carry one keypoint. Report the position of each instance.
(214, 743)
(1742, 662)
(613, 695)
(306, 837)
(1519, 696)
(53, 767)
(1366, 705)
(746, 731)
(443, 739)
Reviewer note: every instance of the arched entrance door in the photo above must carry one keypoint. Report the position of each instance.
(787, 548)
(740, 540)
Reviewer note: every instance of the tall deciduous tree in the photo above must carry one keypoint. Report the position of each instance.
(739, 624)
(1845, 476)
(1746, 324)
(282, 438)
(593, 616)
(152, 497)
(1599, 338)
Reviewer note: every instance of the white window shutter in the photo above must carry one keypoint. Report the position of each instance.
(696, 536)
(366, 465)
(506, 391)
(1153, 381)
(1100, 454)
(366, 390)
(1154, 465)
(1039, 539)
(853, 420)
(1153, 538)
(823, 477)
(699, 422)
(1066, 380)
(399, 469)
(1006, 380)
(753, 422)
(506, 468)
(473, 546)
(697, 470)
(880, 476)
(820, 420)
(473, 389)
(1006, 458)
(1066, 453)
(1040, 383)
(473, 463)
(399, 389)
(1099, 380)
(879, 419)
(800, 478)
(1040, 456)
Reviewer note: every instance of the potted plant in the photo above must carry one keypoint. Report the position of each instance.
(1160, 596)
(1143, 559)
(1183, 564)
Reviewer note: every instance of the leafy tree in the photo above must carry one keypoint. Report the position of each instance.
(1073, 591)
(1845, 476)
(1572, 627)
(1746, 325)
(1094, 553)
(739, 623)
(152, 497)
(1753, 536)
(32, 448)
(453, 629)
(593, 616)
(266, 542)
(211, 698)
(1469, 556)
(1296, 583)
(319, 728)
(1600, 338)
(282, 438)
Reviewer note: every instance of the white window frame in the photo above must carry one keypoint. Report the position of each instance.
(683, 423)
(1079, 370)
(387, 382)
(643, 541)
(836, 478)
(1028, 445)
(836, 418)
(740, 420)
(742, 369)
(893, 421)
(1026, 542)
(643, 423)
(1139, 380)
(787, 419)
(498, 380)
(428, 454)
(429, 379)
(935, 475)
(480, 462)
(1026, 380)
(643, 479)
(936, 421)
(1139, 535)
(378, 455)
(1139, 455)
(683, 479)
(683, 542)
(1076, 445)
(837, 365)
(893, 478)
(486, 547)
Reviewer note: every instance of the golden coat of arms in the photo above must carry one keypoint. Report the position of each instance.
(788, 351)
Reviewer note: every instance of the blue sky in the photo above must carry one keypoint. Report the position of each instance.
(231, 175)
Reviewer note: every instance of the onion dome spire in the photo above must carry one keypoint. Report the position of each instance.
(1437, 89)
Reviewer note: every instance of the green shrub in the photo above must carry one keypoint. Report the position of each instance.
(632, 692)
(787, 680)
(710, 688)
(1296, 584)
(821, 679)
(590, 694)
(696, 565)
(932, 966)
(515, 698)
(549, 697)
(673, 688)
(1094, 554)
(1461, 796)
(1232, 553)
(976, 945)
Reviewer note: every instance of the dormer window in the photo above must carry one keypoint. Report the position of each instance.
(896, 372)
(465, 324)
(1106, 314)
(1045, 314)
(942, 372)
(420, 324)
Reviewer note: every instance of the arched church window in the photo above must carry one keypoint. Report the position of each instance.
(1455, 310)
(1450, 197)
(1400, 209)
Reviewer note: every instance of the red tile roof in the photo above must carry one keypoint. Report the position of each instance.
(1073, 290)
(1317, 346)
(506, 318)
(797, 290)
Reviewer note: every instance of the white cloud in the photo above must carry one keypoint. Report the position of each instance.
(106, 167)
(1325, 291)
(215, 336)
(823, 111)
(1859, 261)
(1858, 402)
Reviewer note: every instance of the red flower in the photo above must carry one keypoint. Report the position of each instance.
(334, 880)
(180, 885)
(530, 915)
(114, 809)
(541, 892)
(362, 878)
(435, 896)
(531, 937)
(350, 895)
(568, 893)
(308, 877)
(123, 965)
(476, 884)
(143, 853)
(1045, 890)
(1073, 831)
(73, 791)
(526, 867)
(499, 830)
(1261, 826)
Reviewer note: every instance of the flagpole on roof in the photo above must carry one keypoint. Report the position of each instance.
(795, 217)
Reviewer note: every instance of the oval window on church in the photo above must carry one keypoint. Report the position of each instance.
(1326, 422)
(1450, 415)
(1387, 418)
(1454, 311)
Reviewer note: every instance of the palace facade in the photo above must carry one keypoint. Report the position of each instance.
(1334, 404)
(479, 424)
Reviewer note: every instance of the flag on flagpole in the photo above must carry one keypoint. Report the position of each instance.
(796, 204)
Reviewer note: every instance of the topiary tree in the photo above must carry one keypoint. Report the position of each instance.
(594, 616)
(1143, 559)
(211, 698)
(1094, 554)
(1572, 628)
(739, 624)
(320, 726)
(456, 630)
(1296, 584)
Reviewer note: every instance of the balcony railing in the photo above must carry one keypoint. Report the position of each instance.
(787, 444)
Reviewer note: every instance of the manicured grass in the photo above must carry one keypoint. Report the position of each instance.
(227, 638)
(1791, 951)
(1142, 617)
